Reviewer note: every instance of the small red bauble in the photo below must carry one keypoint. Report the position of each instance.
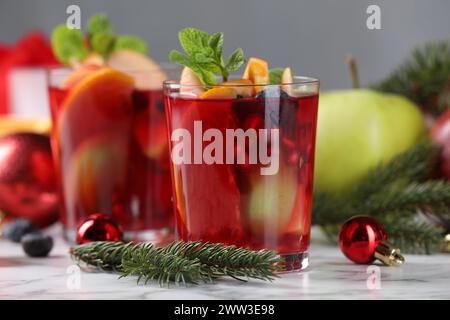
(28, 187)
(363, 239)
(99, 227)
(359, 237)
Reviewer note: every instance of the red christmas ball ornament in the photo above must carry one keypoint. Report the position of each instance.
(99, 227)
(363, 239)
(28, 186)
(440, 134)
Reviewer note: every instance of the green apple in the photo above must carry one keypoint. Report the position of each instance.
(358, 130)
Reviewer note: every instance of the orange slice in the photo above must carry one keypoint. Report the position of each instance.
(219, 93)
(79, 74)
(243, 87)
(257, 71)
(13, 124)
(99, 102)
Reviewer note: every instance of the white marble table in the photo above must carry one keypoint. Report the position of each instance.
(330, 276)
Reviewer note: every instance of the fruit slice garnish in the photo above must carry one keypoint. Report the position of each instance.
(272, 199)
(13, 124)
(99, 102)
(147, 73)
(97, 174)
(213, 213)
(286, 81)
(219, 93)
(257, 71)
(79, 74)
(149, 129)
(190, 83)
(243, 87)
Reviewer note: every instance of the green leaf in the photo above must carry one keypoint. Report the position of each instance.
(192, 40)
(275, 75)
(68, 44)
(99, 23)
(206, 77)
(236, 60)
(103, 42)
(216, 43)
(131, 42)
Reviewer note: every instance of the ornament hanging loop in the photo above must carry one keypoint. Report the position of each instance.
(388, 254)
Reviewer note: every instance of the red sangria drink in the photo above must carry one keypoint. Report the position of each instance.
(243, 158)
(109, 135)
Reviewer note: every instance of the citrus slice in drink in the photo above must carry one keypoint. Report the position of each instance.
(219, 93)
(211, 194)
(99, 102)
(13, 124)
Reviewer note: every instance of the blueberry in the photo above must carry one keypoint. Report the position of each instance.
(37, 244)
(16, 229)
(271, 92)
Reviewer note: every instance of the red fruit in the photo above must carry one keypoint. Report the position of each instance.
(211, 195)
(27, 178)
(440, 134)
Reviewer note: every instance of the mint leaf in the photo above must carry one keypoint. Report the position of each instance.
(131, 42)
(68, 44)
(192, 40)
(205, 76)
(204, 55)
(236, 60)
(103, 42)
(216, 43)
(275, 75)
(99, 23)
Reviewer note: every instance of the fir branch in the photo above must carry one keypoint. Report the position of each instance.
(412, 236)
(413, 196)
(179, 262)
(424, 77)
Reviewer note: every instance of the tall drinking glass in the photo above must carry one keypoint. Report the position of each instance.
(110, 145)
(242, 168)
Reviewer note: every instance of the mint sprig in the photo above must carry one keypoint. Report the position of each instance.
(275, 75)
(70, 44)
(204, 55)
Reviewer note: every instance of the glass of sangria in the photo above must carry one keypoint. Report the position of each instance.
(243, 162)
(110, 145)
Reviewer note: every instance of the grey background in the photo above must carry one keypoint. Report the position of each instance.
(313, 36)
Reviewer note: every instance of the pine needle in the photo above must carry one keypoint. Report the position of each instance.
(179, 262)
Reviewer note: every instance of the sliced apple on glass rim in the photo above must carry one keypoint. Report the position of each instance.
(190, 83)
(286, 81)
(148, 75)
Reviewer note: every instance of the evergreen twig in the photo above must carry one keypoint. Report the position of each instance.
(424, 77)
(179, 262)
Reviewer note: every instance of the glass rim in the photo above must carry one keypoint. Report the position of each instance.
(163, 66)
(298, 80)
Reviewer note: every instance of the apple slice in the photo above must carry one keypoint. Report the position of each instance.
(147, 73)
(286, 81)
(97, 173)
(257, 71)
(190, 83)
(219, 93)
(79, 74)
(243, 87)
(272, 199)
